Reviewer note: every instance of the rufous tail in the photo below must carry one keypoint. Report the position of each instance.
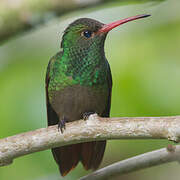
(90, 154)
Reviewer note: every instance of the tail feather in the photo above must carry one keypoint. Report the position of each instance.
(67, 157)
(87, 154)
(100, 148)
(90, 154)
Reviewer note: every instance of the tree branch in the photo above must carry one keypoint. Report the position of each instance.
(161, 156)
(95, 128)
(20, 15)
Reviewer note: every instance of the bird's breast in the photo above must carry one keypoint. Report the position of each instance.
(73, 101)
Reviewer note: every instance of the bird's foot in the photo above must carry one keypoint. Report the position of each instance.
(62, 124)
(87, 114)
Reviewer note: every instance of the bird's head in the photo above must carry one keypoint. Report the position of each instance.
(85, 32)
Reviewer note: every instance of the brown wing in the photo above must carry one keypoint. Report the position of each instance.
(106, 112)
(51, 114)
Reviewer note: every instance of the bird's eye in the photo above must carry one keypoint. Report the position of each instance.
(87, 33)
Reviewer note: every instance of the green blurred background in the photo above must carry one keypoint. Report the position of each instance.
(144, 58)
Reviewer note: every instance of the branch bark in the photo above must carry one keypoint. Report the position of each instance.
(95, 128)
(154, 158)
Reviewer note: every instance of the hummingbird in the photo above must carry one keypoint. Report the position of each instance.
(79, 83)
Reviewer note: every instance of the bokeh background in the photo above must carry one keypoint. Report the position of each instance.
(145, 61)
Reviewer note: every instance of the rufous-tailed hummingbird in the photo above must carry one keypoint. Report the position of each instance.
(78, 83)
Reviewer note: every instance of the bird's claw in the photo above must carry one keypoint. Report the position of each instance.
(87, 114)
(62, 124)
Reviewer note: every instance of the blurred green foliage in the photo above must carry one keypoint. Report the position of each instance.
(145, 63)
